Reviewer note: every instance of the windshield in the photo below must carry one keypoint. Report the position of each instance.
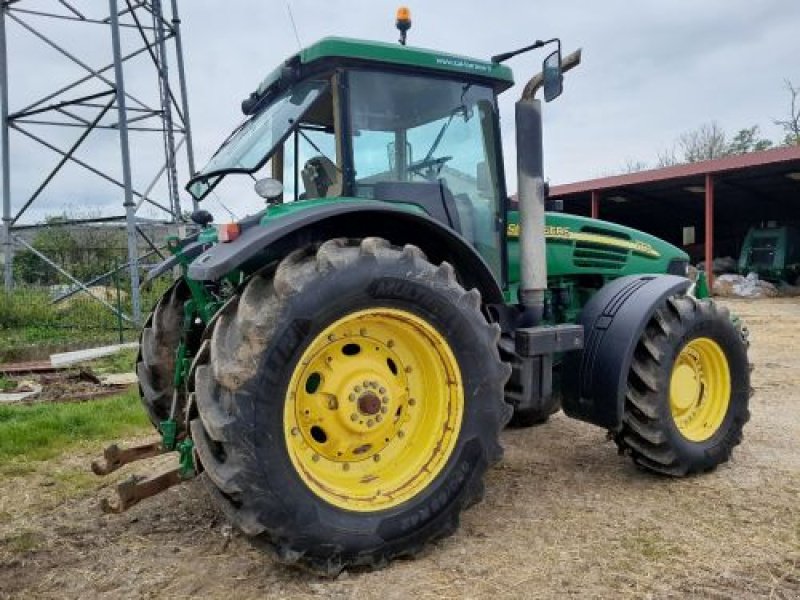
(251, 145)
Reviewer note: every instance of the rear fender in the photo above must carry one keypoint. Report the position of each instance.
(613, 321)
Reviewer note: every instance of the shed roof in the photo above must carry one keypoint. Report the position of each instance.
(749, 189)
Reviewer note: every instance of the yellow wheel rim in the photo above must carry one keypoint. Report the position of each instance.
(373, 409)
(700, 389)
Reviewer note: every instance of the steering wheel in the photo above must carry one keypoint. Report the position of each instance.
(432, 165)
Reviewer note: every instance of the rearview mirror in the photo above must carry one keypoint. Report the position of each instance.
(553, 76)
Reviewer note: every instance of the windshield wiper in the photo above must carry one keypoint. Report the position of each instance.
(460, 108)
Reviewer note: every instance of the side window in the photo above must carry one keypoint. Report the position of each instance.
(311, 167)
(310, 157)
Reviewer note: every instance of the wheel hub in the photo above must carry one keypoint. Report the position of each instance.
(369, 404)
(355, 430)
(700, 389)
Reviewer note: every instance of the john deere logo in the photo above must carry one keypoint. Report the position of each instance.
(565, 233)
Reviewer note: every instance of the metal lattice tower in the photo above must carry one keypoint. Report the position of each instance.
(140, 31)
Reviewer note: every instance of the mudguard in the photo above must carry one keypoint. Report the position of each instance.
(613, 321)
(191, 251)
(357, 218)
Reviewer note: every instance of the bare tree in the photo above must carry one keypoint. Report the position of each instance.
(791, 126)
(667, 157)
(634, 166)
(704, 143)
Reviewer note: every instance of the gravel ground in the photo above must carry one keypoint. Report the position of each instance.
(564, 515)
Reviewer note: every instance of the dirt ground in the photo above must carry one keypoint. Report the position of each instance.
(563, 516)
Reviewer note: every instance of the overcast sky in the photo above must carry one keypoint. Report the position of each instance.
(650, 71)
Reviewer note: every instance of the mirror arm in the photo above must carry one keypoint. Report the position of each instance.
(567, 63)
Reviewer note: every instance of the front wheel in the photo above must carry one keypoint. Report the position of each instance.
(155, 363)
(350, 405)
(688, 389)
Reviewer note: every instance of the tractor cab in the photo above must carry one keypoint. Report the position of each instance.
(408, 126)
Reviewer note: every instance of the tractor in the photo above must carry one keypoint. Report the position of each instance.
(773, 253)
(337, 368)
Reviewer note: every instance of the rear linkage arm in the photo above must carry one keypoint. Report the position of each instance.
(203, 305)
(137, 488)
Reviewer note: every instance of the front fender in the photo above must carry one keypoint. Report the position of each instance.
(191, 251)
(613, 321)
(351, 219)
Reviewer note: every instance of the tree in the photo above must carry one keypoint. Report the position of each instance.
(634, 166)
(704, 143)
(667, 157)
(56, 243)
(791, 125)
(747, 140)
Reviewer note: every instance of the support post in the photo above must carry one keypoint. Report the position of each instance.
(595, 204)
(130, 206)
(8, 246)
(166, 108)
(187, 127)
(709, 219)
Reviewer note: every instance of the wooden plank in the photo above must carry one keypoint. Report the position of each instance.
(70, 358)
(40, 366)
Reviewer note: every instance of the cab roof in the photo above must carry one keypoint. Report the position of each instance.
(348, 49)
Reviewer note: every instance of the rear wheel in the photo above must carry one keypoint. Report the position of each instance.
(350, 405)
(688, 389)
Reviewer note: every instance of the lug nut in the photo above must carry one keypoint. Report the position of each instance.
(390, 343)
(315, 458)
(354, 417)
(295, 431)
(352, 397)
(376, 457)
(383, 409)
(411, 402)
(378, 418)
(370, 423)
(385, 400)
(345, 467)
(401, 434)
(409, 369)
(357, 388)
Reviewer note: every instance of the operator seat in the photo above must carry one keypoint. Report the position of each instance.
(321, 178)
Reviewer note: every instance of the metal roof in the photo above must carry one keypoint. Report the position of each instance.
(749, 189)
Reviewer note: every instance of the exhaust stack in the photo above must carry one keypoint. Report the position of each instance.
(530, 186)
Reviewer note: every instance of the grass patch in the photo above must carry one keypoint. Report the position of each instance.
(23, 542)
(42, 431)
(36, 342)
(7, 385)
(651, 544)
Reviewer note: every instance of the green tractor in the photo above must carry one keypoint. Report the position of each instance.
(338, 368)
(773, 253)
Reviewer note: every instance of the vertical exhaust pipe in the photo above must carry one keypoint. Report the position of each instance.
(530, 190)
(530, 186)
